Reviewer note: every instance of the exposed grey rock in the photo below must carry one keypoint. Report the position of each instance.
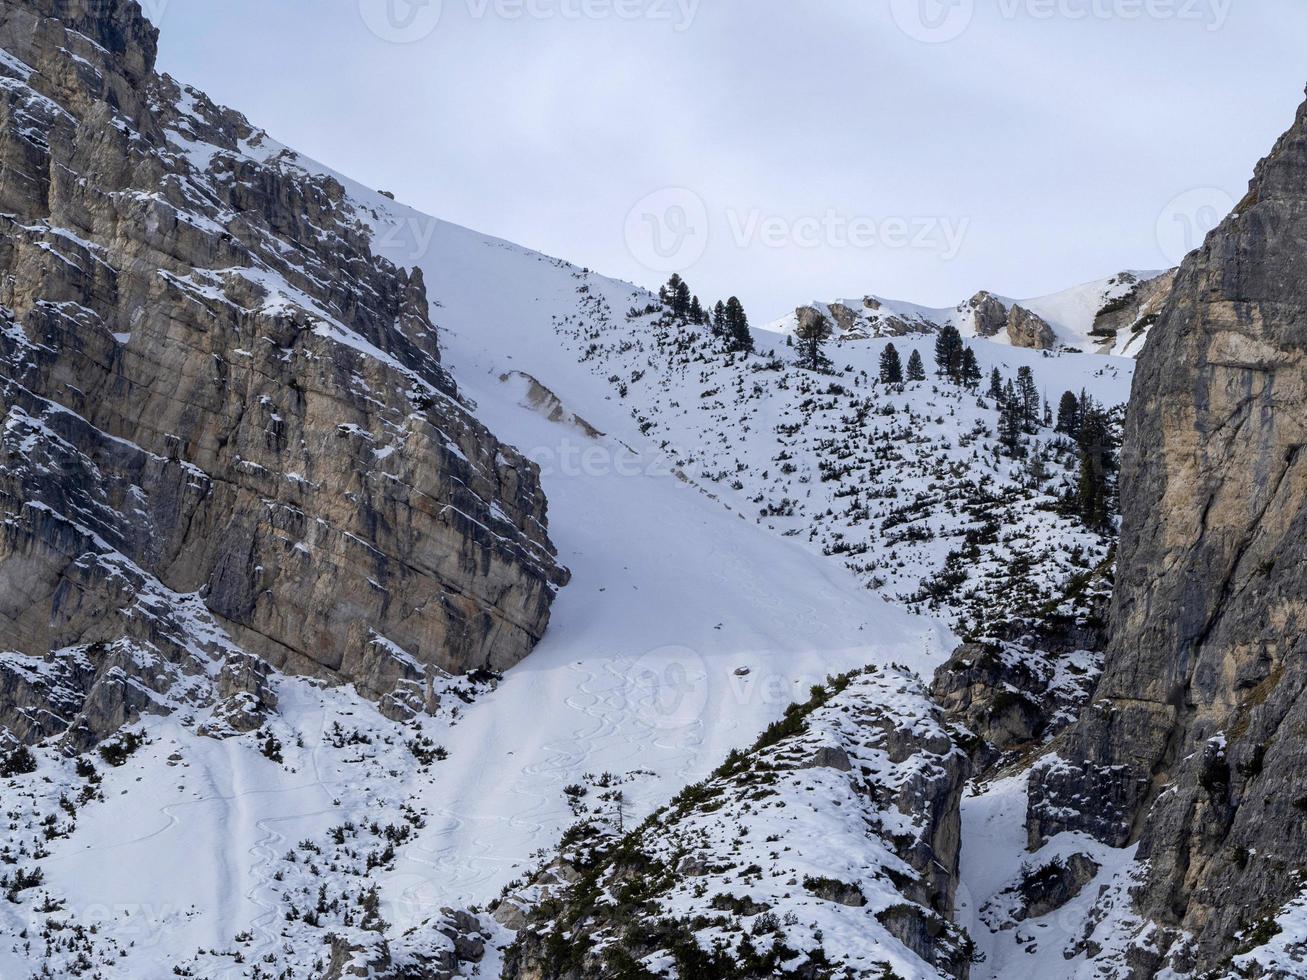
(214, 391)
(245, 691)
(444, 948)
(1041, 889)
(1030, 678)
(839, 892)
(991, 316)
(1193, 743)
(845, 318)
(929, 936)
(830, 757)
(1136, 311)
(539, 398)
(1046, 889)
(1026, 329)
(809, 318)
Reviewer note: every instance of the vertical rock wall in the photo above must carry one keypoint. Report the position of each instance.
(214, 393)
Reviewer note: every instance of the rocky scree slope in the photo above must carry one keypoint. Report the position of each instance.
(1193, 744)
(828, 849)
(227, 431)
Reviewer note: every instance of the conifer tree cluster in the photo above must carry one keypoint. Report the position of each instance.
(1090, 426)
(891, 366)
(1087, 426)
(955, 360)
(726, 320)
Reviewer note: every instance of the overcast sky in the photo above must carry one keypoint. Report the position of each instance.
(782, 150)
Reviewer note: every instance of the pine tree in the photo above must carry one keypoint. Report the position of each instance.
(737, 326)
(916, 367)
(812, 336)
(676, 295)
(1093, 495)
(891, 368)
(720, 328)
(970, 369)
(1011, 421)
(948, 353)
(995, 386)
(1068, 415)
(696, 311)
(1028, 393)
(681, 298)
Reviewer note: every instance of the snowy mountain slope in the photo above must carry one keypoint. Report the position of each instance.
(1073, 314)
(618, 685)
(642, 381)
(823, 850)
(904, 485)
(678, 583)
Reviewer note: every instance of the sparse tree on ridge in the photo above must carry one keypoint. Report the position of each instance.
(681, 298)
(1011, 421)
(995, 386)
(1028, 393)
(720, 327)
(737, 326)
(696, 311)
(812, 337)
(676, 296)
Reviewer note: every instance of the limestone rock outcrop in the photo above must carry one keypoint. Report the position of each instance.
(1135, 312)
(225, 421)
(989, 313)
(1193, 744)
(1027, 680)
(1026, 329)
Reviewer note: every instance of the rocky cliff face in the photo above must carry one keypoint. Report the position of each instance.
(1132, 314)
(226, 425)
(1193, 745)
(988, 313)
(1029, 678)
